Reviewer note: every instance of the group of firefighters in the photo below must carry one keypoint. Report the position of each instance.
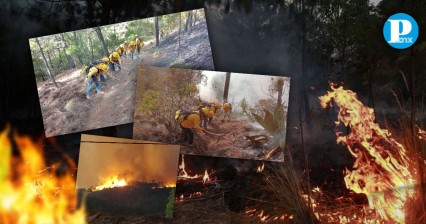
(96, 72)
(198, 119)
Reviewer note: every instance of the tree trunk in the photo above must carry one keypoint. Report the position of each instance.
(60, 56)
(280, 90)
(50, 62)
(187, 22)
(91, 48)
(304, 86)
(78, 50)
(101, 39)
(157, 41)
(45, 63)
(190, 19)
(195, 18)
(226, 89)
(70, 60)
(180, 29)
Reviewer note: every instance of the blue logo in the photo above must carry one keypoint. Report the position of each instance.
(401, 31)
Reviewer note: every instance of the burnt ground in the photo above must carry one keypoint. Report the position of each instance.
(233, 144)
(194, 51)
(66, 109)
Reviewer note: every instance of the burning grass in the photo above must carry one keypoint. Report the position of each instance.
(31, 192)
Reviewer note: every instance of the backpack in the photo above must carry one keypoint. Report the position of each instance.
(184, 115)
(88, 66)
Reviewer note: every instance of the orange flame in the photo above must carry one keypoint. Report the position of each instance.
(260, 168)
(32, 193)
(382, 168)
(182, 171)
(111, 183)
(206, 177)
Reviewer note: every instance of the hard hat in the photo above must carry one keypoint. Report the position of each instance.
(105, 59)
(136, 35)
(121, 45)
(115, 55)
(125, 42)
(177, 115)
(103, 67)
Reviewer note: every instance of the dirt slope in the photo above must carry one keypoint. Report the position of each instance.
(66, 109)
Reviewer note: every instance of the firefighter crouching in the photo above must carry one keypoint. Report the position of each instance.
(188, 120)
(95, 74)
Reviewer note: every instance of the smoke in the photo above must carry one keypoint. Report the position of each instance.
(134, 162)
(251, 87)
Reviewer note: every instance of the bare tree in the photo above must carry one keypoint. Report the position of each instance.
(45, 62)
(157, 42)
(101, 39)
(180, 29)
(226, 89)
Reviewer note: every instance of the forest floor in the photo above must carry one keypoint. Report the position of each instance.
(66, 109)
(233, 143)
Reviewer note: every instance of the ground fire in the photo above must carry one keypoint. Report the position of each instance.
(30, 192)
(111, 183)
(382, 170)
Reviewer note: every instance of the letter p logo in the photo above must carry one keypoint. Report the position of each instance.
(400, 31)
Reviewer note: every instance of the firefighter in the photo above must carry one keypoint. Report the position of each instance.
(227, 109)
(139, 45)
(162, 34)
(213, 110)
(126, 46)
(115, 59)
(95, 74)
(203, 111)
(188, 120)
(120, 50)
(132, 48)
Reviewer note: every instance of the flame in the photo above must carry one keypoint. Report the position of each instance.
(382, 168)
(182, 171)
(260, 168)
(30, 192)
(111, 182)
(206, 177)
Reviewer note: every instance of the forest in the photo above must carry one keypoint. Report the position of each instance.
(62, 62)
(58, 53)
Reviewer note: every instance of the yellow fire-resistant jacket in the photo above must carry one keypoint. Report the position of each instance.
(192, 121)
(205, 111)
(226, 107)
(115, 59)
(120, 50)
(132, 46)
(126, 45)
(96, 71)
(211, 112)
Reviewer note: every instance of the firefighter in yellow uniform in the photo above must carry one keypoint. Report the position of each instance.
(139, 45)
(203, 111)
(227, 109)
(188, 120)
(126, 46)
(95, 74)
(213, 110)
(115, 59)
(120, 50)
(132, 48)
